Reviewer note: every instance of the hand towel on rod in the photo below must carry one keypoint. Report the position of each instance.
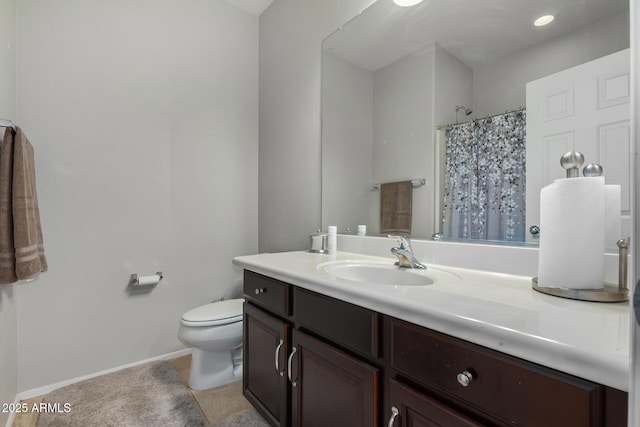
(396, 207)
(21, 243)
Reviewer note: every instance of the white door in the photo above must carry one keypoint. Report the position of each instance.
(587, 109)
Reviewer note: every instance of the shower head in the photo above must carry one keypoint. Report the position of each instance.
(467, 111)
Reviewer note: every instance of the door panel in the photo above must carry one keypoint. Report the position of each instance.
(587, 109)
(332, 388)
(417, 410)
(264, 386)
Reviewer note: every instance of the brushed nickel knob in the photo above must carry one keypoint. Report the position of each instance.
(465, 378)
(592, 169)
(571, 161)
(261, 291)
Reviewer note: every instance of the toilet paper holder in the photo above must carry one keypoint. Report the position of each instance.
(608, 293)
(137, 280)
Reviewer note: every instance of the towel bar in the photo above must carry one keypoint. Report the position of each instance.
(418, 182)
(4, 123)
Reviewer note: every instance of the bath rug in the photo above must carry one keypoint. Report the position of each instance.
(146, 395)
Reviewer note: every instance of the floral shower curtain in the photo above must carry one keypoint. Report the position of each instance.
(484, 188)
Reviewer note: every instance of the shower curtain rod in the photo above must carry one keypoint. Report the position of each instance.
(481, 118)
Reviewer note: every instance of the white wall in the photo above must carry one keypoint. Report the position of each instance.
(499, 86)
(403, 131)
(8, 300)
(291, 34)
(144, 120)
(453, 87)
(347, 135)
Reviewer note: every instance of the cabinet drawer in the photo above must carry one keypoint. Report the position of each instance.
(267, 292)
(348, 325)
(513, 390)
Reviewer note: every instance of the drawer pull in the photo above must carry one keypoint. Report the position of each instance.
(465, 378)
(293, 351)
(394, 414)
(278, 348)
(261, 291)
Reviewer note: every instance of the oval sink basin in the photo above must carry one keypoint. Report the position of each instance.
(380, 274)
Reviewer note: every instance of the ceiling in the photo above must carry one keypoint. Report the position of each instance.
(475, 31)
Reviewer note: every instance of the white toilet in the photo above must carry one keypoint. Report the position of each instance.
(215, 333)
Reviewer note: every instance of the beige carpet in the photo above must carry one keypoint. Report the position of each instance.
(146, 395)
(219, 407)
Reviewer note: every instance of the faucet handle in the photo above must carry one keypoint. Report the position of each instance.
(403, 241)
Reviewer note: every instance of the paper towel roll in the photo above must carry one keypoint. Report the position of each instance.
(572, 223)
(612, 231)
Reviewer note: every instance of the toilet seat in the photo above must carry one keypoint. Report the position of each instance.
(214, 314)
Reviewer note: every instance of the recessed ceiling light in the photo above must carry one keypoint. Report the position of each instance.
(406, 3)
(543, 20)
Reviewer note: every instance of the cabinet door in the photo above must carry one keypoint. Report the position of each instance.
(264, 380)
(410, 408)
(329, 387)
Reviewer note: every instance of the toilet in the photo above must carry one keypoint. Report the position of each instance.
(215, 332)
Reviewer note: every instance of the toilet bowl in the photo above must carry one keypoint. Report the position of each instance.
(215, 332)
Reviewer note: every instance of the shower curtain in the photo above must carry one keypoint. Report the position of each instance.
(484, 183)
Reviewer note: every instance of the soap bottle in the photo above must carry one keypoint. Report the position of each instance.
(332, 240)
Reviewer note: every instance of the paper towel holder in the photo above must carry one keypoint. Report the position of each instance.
(608, 293)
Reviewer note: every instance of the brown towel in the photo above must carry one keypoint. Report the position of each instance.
(21, 244)
(395, 207)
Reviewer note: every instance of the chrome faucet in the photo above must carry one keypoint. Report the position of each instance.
(404, 253)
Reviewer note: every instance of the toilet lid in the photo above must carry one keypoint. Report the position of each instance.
(215, 313)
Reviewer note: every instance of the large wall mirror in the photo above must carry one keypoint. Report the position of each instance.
(399, 84)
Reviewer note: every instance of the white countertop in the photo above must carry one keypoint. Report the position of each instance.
(498, 311)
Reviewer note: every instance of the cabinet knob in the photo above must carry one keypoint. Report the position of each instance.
(261, 291)
(394, 414)
(465, 378)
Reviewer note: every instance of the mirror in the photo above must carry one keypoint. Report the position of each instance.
(394, 77)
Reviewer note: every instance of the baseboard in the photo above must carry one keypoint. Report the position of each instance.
(39, 391)
(12, 414)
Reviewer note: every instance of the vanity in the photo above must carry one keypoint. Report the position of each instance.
(330, 340)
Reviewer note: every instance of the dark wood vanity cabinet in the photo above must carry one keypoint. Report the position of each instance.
(479, 386)
(311, 360)
(294, 378)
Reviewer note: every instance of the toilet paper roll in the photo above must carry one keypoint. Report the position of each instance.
(572, 223)
(612, 231)
(149, 280)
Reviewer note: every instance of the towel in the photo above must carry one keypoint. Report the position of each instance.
(395, 207)
(21, 243)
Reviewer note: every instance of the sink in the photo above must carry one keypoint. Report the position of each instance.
(385, 273)
(381, 274)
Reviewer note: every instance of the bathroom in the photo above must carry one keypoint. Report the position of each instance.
(169, 137)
